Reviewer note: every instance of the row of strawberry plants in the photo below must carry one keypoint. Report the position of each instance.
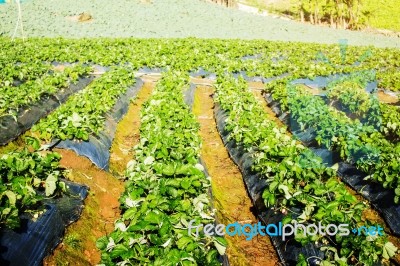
(384, 117)
(298, 179)
(356, 143)
(84, 113)
(165, 189)
(351, 96)
(12, 72)
(349, 92)
(390, 124)
(389, 79)
(272, 58)
(27, 177)
(14, 97)
(300, 59)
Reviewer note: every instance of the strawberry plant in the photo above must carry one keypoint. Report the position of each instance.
(351, 97)
(165, 189)
(26, 178)
(389, 79)
(356, 143)
(296, 177)
(83, 113)
(390, 124)
(12, 72)
(14, 97)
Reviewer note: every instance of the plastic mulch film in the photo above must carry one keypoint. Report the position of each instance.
(244, 75)
(147, 70)
(27, 116)
(380, 198)
(36, 239)
(288, 250)
(97, 148)
(188, 95)
(321, 82)
(201, 72)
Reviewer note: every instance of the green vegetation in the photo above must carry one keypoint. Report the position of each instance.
(83, 114)
(351, 97)
(349, 91)
(383, 14)
(26, 178)
(297, 179)
(141, 20)
(14, 97)
(356, 143)
(165, 186)
(165, 190)
(390, 126)
(354, 14)
(73, 241)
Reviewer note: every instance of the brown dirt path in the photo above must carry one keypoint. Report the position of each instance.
(387, 98)
(230, 196)
(256, 88)
(101, 206)
(127, 134)
(101, 210)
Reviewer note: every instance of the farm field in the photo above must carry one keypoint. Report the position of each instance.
(121, 147)
(171, 19)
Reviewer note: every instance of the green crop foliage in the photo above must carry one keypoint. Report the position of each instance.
(165, 185)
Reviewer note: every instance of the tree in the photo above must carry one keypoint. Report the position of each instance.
(340, 13)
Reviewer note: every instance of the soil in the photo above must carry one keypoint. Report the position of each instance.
(100, 211)
(229, 192)
(127, 134)
(311, 89)
(101, 206)
(168, 19)
(201, 81)
(256, 88)
(59, 68)
(83, 17)
(386, 98)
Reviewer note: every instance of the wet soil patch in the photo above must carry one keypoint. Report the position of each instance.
(127, 134)
(100, 211)
(229, 192)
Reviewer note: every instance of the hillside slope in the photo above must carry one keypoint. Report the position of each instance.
(168, 18)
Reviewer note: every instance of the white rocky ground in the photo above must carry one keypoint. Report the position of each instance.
(166, 19)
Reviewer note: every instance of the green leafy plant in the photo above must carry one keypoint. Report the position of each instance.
(165, 189)
(356, 143)
(297, 179)
(26, 178)
(83, 113)
(14, 97)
